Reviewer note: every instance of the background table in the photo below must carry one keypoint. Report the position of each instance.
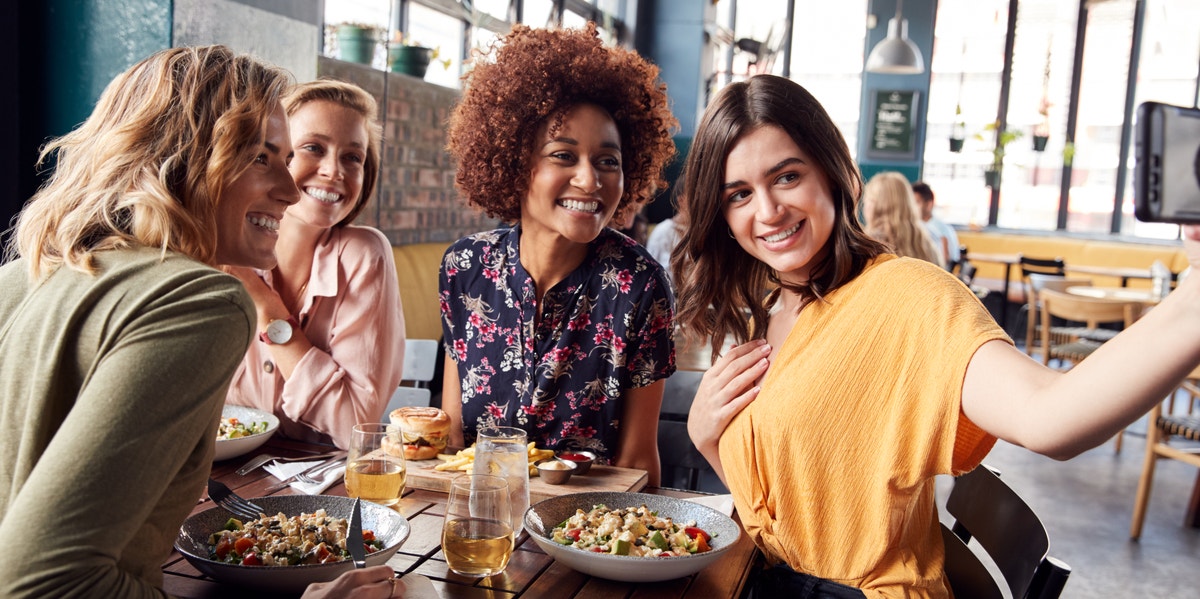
(531, 573)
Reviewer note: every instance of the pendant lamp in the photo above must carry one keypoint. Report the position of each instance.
(896, 54)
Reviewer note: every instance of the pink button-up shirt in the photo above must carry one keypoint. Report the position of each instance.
(351, 314)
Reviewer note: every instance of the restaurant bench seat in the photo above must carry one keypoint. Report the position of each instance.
(417, 267)
(1073, 251)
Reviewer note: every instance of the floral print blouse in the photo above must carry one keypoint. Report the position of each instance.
(606, 328)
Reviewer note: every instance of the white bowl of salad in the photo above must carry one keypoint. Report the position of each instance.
(243, 430)
(631, 537)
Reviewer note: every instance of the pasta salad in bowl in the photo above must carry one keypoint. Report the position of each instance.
(242, 430)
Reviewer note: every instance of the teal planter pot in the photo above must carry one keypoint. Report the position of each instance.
(356, 44)
(410, 60)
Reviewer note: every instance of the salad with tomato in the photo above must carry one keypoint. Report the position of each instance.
(638, 532)
(232, 428)
(282, 541)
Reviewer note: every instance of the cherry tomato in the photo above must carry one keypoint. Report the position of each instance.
(243, 545)
(598, 550)
(573, 534)
(368, 535)
(223, 548)
(251, 559)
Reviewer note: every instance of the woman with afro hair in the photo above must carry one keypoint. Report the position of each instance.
(555, 323)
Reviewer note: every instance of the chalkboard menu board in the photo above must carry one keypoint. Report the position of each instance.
(893, 124)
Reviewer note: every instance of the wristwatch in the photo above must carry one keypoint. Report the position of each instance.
(279, 331)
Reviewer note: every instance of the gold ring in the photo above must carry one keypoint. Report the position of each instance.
(393, 581)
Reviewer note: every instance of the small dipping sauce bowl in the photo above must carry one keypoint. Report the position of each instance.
(555, 471)
(582, 459)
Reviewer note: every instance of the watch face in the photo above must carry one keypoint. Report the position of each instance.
(279, 331)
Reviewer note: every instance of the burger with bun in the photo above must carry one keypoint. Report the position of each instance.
(423, 432)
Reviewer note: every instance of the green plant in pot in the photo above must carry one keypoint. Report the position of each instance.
(356, 42)
(958, 131)
(991, 176)
(412, 58)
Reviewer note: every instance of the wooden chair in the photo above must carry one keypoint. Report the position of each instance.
(420, 362)
(1073, 344)
(1076, 343)
(1160, 428)
(1007, 529)
(1056, 267)
(1037, 282)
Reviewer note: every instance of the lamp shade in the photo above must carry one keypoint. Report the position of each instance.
(896, 54)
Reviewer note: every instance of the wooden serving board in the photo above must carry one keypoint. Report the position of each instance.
(421, 475)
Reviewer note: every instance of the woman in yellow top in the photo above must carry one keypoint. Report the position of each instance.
(864, 375)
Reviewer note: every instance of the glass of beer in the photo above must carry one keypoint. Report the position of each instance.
(375, 469)
(477, 538)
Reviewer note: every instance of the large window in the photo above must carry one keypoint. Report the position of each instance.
(455, 30)
(965, 95)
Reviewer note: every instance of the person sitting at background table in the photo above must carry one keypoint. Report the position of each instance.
(891, 216)
(555, 323)
(859, 376)
(944, 236)
(663, 239)
(119, 335)
(333, 292)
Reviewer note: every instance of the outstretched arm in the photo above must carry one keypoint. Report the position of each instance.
(1063, 414)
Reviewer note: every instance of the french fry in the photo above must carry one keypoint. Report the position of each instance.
(464, 459)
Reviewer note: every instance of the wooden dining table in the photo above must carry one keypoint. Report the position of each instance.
(530, 573)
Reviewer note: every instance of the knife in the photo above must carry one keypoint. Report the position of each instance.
(354, 538)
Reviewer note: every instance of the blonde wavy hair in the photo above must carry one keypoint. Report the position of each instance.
(893, 217)
(355, 98)
(149, 166)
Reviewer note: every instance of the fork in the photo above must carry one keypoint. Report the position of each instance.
(317, 475)
(226, 498)
(264, 458)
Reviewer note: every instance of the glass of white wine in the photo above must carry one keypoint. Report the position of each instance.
(477, 538)
(373, 473)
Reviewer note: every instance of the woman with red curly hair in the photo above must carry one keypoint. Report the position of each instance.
(555, 323)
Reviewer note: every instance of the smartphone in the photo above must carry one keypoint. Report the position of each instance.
(1166, 176)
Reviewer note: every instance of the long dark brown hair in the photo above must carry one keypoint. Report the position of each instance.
(719, 282)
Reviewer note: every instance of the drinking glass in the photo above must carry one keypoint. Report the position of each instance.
(373, 473)
(501, 451)
(477, 538)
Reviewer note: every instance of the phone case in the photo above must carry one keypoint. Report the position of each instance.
(1167, 164)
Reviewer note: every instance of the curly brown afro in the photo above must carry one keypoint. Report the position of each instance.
(537, 75)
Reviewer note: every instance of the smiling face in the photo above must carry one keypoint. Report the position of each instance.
(576, 180)
(253, 204)
(331, 148)
(778, 203)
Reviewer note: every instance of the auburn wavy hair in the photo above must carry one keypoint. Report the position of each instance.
(150, 164)
(535, 76)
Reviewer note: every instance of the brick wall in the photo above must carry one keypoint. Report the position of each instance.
(415, 201)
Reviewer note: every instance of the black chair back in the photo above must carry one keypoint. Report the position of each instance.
(989, 511)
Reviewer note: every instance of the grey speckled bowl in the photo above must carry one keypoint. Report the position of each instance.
(389, 526)
(542, 517)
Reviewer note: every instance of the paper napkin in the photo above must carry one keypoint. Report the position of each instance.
(721, 503)
(283, 470)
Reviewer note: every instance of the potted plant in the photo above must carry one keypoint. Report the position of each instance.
(991, 176)
(1041, 131)
(958, 131)
(356, 42)
(411, 58)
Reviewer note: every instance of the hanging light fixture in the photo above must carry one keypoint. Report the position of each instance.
(896, 54)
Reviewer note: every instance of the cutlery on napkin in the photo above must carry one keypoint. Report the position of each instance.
(285, 471)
